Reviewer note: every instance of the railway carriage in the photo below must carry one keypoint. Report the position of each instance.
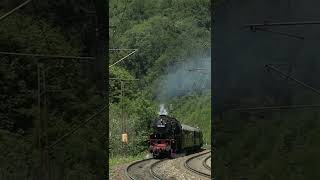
(191, 138)
(170, 137)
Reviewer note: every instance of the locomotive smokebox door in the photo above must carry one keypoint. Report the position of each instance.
(124, 138)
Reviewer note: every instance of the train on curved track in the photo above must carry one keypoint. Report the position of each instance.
(170, 137)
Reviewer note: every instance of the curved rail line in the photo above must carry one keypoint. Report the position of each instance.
(204, 163)
(131, 176)
(194, 170)
(156, 176)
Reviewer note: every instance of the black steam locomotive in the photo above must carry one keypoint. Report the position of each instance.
(170, 137)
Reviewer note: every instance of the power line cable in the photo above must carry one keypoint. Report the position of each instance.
(118, 49)
(281, 33)
(14, 10)
(283, 24)
(296, 107)
(73, 130)
(46, 56)
(123, 58)
(291, 78)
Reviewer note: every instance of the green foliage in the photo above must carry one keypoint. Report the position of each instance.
(194, 111)
(83, 152)
(115, 84)
(164, 32)
(281, 146)
(138, 113)
(116, 160)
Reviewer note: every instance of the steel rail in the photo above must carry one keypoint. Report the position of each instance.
(156, 176)
(133, 164)
(204, 163)
(130, 176)
(194, 170)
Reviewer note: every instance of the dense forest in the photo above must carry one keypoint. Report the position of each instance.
(172, 38)
(68, 93)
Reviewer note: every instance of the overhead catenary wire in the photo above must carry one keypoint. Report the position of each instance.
(277, 32)
(291, 78)
(135, 50)
(120, 79)
(47, 56)
(74, 129)
(118, 49)
(296, 107)
(15, 9)
(313, 106)
(262, 27)
(283, 24)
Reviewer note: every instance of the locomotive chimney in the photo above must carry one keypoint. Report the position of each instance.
(163, 110)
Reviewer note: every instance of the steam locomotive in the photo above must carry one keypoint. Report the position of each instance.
(170, 137)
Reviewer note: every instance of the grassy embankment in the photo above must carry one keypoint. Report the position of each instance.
(118, 160)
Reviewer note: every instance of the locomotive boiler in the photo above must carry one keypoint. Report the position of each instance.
(170, 137)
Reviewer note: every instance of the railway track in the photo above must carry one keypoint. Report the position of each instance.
(207, 163)
(191, 165)
(146, 169)
(143, 169)
(158, 177)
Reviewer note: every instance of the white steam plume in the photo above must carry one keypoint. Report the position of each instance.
(188, 77)
(163, 110)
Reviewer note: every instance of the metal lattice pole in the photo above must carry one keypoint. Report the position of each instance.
(43, 122)
(124, 119)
